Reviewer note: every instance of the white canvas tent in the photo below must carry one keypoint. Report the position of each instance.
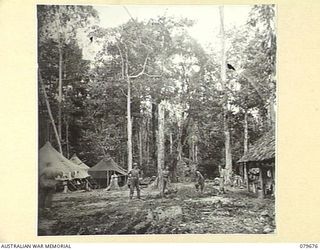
(49, 157)
(75, 159)
(83, 168)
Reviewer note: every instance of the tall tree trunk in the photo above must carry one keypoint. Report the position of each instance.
(154, 132)
(125, 149)
(140, 146)
(124, 72)
(50, 113)
(245, 147)
(196, 153)
(123, 157)
(160, 145)
(179, 146)
(129, 125)
(171, 142)
(190, 141)
(48, 134)
(60, 74)
(191, 152)
(147, 140)
(228, 156)
(245, 142)
(60, 92)
(67, 138)
(129, 118)
(192, 144)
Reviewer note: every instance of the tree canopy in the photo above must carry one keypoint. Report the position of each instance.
(158, 62)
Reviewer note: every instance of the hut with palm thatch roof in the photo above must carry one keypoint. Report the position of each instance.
(260, 159)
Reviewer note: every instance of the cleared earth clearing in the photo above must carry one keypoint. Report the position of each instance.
(182, 211)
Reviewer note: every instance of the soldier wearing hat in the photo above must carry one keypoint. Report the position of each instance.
(199, 181)
(134, 176)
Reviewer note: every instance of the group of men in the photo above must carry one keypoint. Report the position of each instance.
(134, 180)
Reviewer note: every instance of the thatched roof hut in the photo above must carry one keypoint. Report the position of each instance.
(261, 155)
(263, 149)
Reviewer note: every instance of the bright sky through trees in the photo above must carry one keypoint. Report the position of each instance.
(206, 17)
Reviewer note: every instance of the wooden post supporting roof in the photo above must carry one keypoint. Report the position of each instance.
(108, 178)
(261, 182)
(246, 175)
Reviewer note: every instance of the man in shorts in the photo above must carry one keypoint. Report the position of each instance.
(134, 176)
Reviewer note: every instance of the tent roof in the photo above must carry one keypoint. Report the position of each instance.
(48, 154)
(263, 149)
(107, 165)
(78, 162)
(81, 174)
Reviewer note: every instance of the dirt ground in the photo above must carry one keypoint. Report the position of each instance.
(182, 211)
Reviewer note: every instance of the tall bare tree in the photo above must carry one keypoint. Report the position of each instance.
(228, 156)
(161, 124)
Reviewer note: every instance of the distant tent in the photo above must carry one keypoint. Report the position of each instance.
(83, 168)
(78, 162)
(49, 156)
(105, 165)
(101, 170)
(81, 174)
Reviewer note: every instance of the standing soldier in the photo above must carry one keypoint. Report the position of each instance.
(134, 176)
(199, 181)
(165, 177)
(223, 178)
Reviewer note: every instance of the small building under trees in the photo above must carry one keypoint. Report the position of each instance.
(259, 163)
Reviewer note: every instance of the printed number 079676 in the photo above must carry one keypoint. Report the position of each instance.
(308, 245)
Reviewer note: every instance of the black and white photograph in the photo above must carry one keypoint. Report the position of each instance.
(156, 119)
